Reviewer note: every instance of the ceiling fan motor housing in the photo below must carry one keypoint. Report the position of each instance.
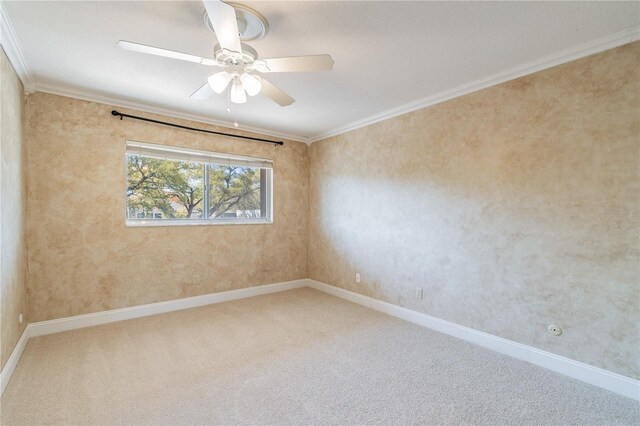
(227, 58)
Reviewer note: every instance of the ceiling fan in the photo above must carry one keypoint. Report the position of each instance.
(240, 67)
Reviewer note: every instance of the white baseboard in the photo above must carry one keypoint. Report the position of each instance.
(12, 362)
(608, 380)
(593, 375)
(105, 317)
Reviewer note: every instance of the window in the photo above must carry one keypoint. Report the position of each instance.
(176, 186)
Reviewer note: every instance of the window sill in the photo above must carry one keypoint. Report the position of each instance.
(151, 222)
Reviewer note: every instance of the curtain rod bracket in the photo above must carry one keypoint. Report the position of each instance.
(164, 123)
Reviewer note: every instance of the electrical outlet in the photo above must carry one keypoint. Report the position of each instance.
(20, 318)
(555, 330)
(419, 293)
(357, 278)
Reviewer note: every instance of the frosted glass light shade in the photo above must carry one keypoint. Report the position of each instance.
(237, 95)
(219, 81)
(251, 84)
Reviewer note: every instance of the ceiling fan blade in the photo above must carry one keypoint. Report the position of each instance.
(205, 92)
(223, 20)
(142, 48)
(276, 94)
(295, 64)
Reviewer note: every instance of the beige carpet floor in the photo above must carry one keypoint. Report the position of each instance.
(297, 357)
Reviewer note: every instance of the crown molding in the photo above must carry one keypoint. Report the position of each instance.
(13, 49)
(629, 35)
(85, 95)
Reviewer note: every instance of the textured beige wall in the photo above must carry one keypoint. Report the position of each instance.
(13, 209)
(83, 259)
(514, 207)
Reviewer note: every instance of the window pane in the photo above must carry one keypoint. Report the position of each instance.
(160, 189)
(177, 188)
(235, 192)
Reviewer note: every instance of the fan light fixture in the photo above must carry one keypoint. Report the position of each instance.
(251, 84)
(243, 85)
(219, 81)
(237, 95)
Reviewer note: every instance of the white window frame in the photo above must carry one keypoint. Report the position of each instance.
(186, 154)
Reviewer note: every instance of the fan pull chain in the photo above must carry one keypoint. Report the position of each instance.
(235, 114)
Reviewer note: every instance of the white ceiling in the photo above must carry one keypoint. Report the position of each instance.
(387, 54)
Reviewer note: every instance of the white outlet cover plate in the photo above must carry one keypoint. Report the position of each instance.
(555, 330)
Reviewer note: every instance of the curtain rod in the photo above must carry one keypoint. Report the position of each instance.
(164, 123)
